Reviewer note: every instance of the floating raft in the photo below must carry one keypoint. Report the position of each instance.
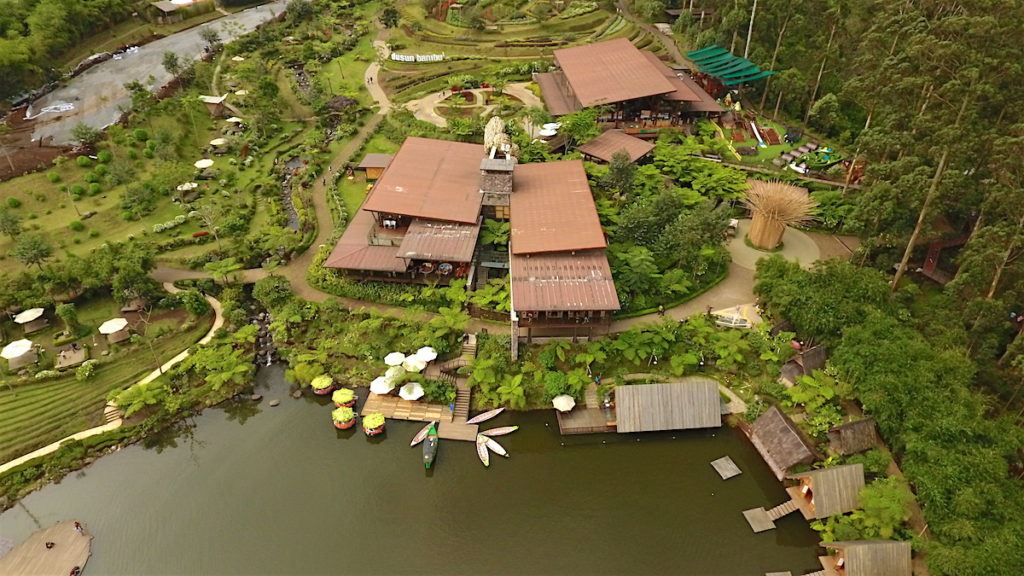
(31, 556)
(726, 468)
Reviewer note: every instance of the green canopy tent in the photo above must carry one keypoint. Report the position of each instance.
(712, 50)
(732, 70)
(759, 76)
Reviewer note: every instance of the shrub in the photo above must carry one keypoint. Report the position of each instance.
(13, 202)
(101, 169)
(76, 225)
(42, 374)
(86, 370)
(94, 234)
(140, 135)
(133, 155)
(53, 177)
(95, 188)
(105, 156)
(83, 161)
(92, 177)
(147, 153)
(77, 189)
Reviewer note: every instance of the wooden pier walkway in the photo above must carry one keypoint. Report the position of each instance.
(455, 428)
(31, 556)
(399, 409)
(761, 520)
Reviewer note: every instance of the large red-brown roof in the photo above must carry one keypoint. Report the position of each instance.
(558, 96)
(433, 179)
(353, 251)
(553, 209)
(611, 71)
(439, 241)
(562, 281)
(682, 91)
(608, 143)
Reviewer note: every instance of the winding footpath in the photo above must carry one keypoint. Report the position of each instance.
(218, 321)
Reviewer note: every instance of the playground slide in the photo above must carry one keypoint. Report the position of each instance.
(757, 134)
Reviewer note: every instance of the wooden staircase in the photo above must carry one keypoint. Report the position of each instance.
(457, 429)
(462, 395)
(111, 413)
(787, 507)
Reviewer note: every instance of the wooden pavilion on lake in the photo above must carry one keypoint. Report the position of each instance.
(828, 491)
(867, 558)
(671, 406)
(641, 90)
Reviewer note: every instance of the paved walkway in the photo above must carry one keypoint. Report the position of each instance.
(218, 321)
(31, 557)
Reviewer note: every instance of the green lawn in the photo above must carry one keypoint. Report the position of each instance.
(37, 413)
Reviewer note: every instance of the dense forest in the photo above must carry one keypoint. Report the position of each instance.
(926, 96)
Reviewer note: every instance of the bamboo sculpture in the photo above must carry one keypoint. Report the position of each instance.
(775, 206)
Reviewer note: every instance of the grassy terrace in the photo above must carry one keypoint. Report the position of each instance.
(38, 413)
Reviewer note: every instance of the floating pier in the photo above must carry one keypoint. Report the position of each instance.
(70, 549)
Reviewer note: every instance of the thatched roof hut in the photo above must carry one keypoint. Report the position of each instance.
(872, 557)
(834, 490)
(780, 442)
(853, 437)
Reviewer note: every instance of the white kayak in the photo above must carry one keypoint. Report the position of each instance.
(481, 450)
(500, 431)
(485, 416)
(495, 447)
(421, 434)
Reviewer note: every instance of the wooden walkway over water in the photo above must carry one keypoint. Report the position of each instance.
(399, 409)
(761, 520)
(31, 556)
(587, 419)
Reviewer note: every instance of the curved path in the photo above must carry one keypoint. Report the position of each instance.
(425, 108)
(218, 321)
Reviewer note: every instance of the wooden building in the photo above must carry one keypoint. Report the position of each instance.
(805, 362)
(373, 165)
(560, 277)
(853, 437)
(868, 558)
(604, 147)
(780, 442)
(672, 406)
(830, 491)
(641, 90)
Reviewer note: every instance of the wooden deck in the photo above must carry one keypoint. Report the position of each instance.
(758, 520)
(458, 430)
(399, 409)
(31, 556)
(726, 468)
(582, 420)
(68, 357)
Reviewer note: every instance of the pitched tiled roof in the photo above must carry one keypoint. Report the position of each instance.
(608, 143)
(610, 71)
(553, 209)
(376, 161)
(562, 281)
(439, 241)
(558, 96)
(433, 179)
(353, 251)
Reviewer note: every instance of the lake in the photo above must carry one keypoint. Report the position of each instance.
(261, 490)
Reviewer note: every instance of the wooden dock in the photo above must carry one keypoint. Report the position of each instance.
(399, 409)
(726, 468)
(584, 421)
(761, 520)
(455, 428)
(31, 556)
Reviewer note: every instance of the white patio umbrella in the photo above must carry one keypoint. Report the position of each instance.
(563, 403)
(28, 315)
(16, 349)
(237, 59)
(427, 354)
(113, 326)
(394, 359)
(234, 120)
(203, 164)
(546, 133)
(186, 186)
(411, 391)
(552, 126)
(394, 372)
(414, 363)
(218, 142)
(241, 92)
(382, 385)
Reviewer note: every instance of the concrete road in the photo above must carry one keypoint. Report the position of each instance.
(99, 95)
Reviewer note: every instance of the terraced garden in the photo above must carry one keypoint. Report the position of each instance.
(38, 413)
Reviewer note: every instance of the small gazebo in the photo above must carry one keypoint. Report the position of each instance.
(31, 320)
(116, 330)
(775, 206)
(19, 354)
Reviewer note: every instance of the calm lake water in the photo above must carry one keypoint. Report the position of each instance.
(280, 491)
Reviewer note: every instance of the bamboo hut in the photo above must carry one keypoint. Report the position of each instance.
(774, 206)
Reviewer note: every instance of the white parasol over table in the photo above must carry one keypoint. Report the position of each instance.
(218, 142)
(234, 120)
(203, 164)
(563, 403)
(186, 186)
(427, 354)
(414, 363)
(411, 391)
(16, 349)
(113, 326)
(394, 359)
(237, 59)
(382, 385)
(547, 133)
(28, 315)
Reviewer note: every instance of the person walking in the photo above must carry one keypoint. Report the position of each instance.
(78, 528)
(661, 310)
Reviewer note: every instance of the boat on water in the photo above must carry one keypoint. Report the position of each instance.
(485, 416)
(430, 447)
(481, 450)
(499, 431)
(373, 424)
(493, 445)
(343, 417)
(421, 434)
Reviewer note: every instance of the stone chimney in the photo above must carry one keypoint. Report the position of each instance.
(496, 183)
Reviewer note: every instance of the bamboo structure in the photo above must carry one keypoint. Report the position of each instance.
(774, 206)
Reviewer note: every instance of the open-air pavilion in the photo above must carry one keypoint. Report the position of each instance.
(604, 147)
(729, 70)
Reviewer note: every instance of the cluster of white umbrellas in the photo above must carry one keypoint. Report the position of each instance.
(400, 363)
